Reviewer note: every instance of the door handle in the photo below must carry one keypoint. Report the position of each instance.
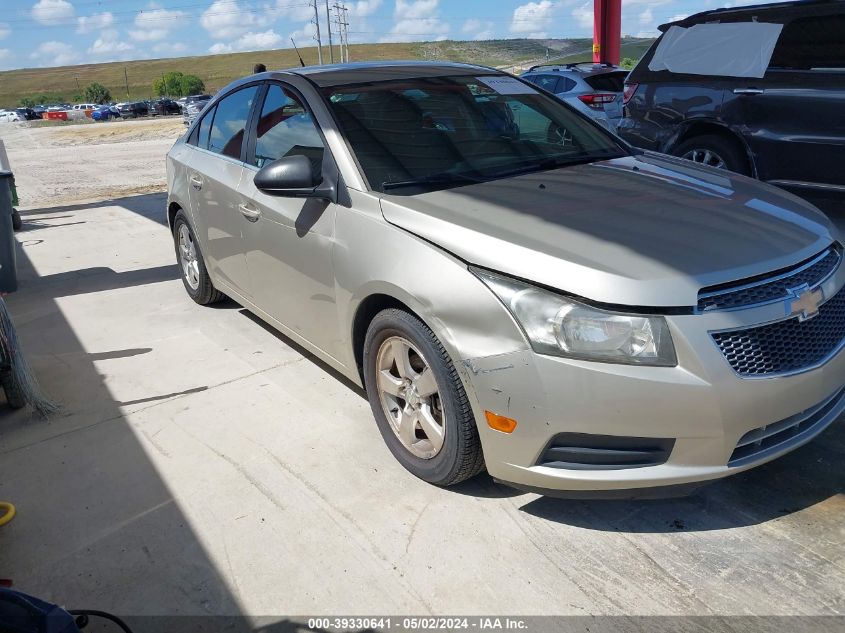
(249, 213)
(196, 182)
(748, 91)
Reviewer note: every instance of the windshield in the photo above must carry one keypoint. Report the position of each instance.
(417, 135)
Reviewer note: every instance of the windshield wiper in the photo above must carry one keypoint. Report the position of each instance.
(443, 178)
(551, 163)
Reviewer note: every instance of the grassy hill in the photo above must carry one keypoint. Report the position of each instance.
(218, 70)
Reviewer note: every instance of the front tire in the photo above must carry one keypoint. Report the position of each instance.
(17, 223)
(191, 263)
(418, 401)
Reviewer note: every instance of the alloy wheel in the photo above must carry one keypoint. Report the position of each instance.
(188, 257)
(409, 395)
(705, 157)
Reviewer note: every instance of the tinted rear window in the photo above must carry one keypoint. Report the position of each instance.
(814, 42)
(607, 82)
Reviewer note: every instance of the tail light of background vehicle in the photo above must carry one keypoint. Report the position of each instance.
(596, 100)
(630, 89)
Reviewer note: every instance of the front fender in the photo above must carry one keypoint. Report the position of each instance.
(374, 257)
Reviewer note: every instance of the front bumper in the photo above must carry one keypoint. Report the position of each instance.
(719, 423)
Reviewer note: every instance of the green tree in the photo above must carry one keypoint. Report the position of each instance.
(628, 63)
(97, 93)
(169, 84)
(77, 98)
(192, 85)
(26, 102)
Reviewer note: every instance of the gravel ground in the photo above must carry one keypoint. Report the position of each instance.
(73, 162)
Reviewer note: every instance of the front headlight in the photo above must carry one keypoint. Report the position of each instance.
(560, 326)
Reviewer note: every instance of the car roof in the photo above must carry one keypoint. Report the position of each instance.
(365, 72)
(582, 68)
(773, 11)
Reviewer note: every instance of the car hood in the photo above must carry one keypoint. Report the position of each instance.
(644, 230)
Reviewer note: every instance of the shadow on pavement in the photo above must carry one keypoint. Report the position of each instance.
(97, 526)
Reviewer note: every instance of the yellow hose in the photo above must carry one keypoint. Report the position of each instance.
(7, 512)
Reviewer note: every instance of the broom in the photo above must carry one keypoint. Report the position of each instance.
(22, 377)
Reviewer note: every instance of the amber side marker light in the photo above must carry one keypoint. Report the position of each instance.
(500, 422)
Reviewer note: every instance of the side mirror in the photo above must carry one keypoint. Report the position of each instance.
(293, 177)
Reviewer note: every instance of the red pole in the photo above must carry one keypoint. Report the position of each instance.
(607, 31)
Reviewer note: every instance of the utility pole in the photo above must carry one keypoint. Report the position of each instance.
(126, 81)
(317, 26)
(340, 20)
(329, 27)
(346, 30)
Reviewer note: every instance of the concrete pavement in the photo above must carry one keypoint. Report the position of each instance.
(202, 464)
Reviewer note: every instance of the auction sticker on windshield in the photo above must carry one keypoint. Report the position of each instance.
(507, 85)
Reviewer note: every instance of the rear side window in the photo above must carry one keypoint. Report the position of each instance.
(565, 84)
(811, 43)
(607, 82)
(227, 129)
(546, 82)
(203, 129)
(286, 128)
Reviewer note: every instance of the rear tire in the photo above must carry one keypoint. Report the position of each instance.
(17, 223)
(454, 454)
(715, 151)
(195, 276)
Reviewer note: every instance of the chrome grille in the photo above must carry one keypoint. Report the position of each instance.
(773, 287)
(786, 346)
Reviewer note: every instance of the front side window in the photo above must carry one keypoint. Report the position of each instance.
(227, 129)
(428, 133)
(286, 128)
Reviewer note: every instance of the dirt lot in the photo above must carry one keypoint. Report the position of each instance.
(70, 162)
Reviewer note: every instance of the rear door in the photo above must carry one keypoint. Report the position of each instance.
(794, 118)
(289, 240)
(214, 174)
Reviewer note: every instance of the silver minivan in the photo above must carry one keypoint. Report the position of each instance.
(515, 287)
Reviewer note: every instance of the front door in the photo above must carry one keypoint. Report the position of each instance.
(289, 240)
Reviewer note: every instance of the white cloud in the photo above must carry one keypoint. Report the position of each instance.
(54, 53)
(478, 30)
(155, 24)
(678, 17)
(226, 19)
(533, 18)
(249, 42)
(52, 11)
(417, 20)
(363, 8)
(5, 53)
(88, 23)
(108, 47)
(646, 17)
(4, 30)
(583, 15)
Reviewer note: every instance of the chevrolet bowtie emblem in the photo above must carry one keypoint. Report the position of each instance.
(804, 302)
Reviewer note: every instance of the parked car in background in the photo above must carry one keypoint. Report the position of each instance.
(594, 89)
(86, 106)
(134, 109)
(181, 102)
(194, 104)
(40, 110)
(758, 90)
(10, 116)
(577, 316)
(106, 112)
(28, 114)
(166, 106)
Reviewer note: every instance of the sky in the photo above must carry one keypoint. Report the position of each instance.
(38, 33)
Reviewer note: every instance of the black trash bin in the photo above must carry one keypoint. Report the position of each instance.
(8, 266)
